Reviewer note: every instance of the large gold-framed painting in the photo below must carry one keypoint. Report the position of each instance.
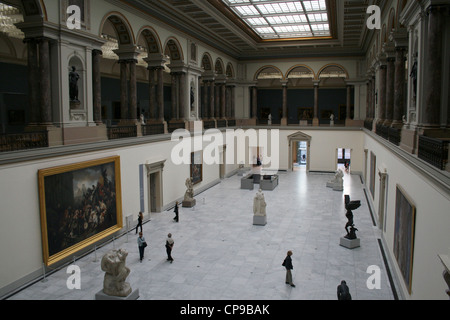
(197, 167)
(405, 218)
(80, 204)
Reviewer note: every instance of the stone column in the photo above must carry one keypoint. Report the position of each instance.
(211, 99)
(160, 92)
(97, 86)
(284, 120)
(45, 82)
(316, 103)
(399, 86)
(123, 90)
(433, 67)
(233, 103)
(182, 95)
(33, 81)
(204, 113)
(228, 102)
(133, 90)
(390, 76)
(367, 99)
(349, 102)
(382, 95)
(217, 101)
(152, 93)
(254, 102)
(222, 101)
(174, 96)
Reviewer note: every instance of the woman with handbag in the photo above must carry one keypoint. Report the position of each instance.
(141, 245)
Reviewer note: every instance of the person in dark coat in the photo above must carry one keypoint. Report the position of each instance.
(176, 212)
(287, 263)
(140, 218)
(343, 292)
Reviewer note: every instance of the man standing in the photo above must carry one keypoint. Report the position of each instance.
(169, 247)
(287, 263)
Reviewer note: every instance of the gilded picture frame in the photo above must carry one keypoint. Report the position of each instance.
(197, 167)
(80, 204)
(405, 219)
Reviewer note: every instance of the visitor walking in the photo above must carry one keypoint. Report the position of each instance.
(140, 218)
(287, 263)
(169, 247)
(176, 212)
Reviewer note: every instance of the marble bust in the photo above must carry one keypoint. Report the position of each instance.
(116, 272)
(259, 204)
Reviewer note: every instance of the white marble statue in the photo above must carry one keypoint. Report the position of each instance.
(259, 204)
(142, 118)
(269, 122)
(337, 183)
(332, 120)
(116, 272)
(189, 194)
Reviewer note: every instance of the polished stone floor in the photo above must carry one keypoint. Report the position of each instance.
(220, 255)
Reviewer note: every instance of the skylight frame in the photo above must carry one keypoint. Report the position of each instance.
(271, 19)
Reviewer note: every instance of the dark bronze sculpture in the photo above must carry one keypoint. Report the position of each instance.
(73, 84)
(351, 205)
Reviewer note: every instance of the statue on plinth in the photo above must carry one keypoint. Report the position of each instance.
(259, 204)
(189, 200)
(73, 84)
(337, 183)
(116, 272)
(350, 205)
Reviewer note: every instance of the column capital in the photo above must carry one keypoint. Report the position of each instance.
(316, 83)
(127, 53)
(400, 38)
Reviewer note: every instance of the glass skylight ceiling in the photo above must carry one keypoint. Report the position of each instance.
(283, 19)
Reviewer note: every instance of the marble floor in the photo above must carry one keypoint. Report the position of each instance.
(220, 255)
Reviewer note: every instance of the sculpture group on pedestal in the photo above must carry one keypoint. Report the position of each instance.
(337, 183)
(116, 272)
(189, 200)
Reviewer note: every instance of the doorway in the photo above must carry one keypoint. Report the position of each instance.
(299, 152)
(155, 186)
(344, 160)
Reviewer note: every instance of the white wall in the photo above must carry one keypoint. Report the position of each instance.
(432, 236)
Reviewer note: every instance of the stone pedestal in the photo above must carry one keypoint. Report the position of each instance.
(303, 123)
(134, 295)
(189, 203)
(350, 244)
(259, 220)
